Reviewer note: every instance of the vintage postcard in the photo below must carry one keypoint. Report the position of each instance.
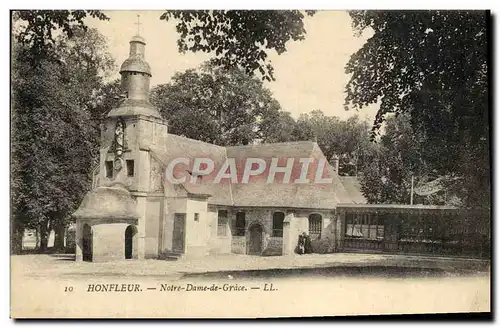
(249, 163)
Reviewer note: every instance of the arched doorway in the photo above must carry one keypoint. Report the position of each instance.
(131, 242)
(255, 236)
(87, 243)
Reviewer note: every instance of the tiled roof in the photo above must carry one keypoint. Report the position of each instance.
(353, 187)
(257, 192)
(177, 146)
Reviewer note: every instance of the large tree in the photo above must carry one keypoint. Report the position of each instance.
(233, 108)
(54, 130)
(388, 169)
(433, 65)
(346, 139)
(37, 30)
(278, 126)
(239, 38)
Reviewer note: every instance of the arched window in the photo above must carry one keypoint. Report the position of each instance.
(278, 218)
(240, 224)
(315, 225)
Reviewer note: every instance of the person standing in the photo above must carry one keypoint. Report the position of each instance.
(307, 244)
(301, 245)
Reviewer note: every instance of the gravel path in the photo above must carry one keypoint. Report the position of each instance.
(64, 265)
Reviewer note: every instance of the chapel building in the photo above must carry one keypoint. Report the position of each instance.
(135, 212)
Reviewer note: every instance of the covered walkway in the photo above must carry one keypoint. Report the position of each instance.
(413, 229)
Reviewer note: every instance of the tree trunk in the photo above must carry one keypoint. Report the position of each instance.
(16, 236)
(59, 237)
(44, 238)
(37, 238)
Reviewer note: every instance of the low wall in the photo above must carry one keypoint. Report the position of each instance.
(323, 245)
(274, 246)
(238, 245)
(220, 245)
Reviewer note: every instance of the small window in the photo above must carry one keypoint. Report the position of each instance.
(315, 225)
(240, 224)
(130, 167)
(109, 169)
(197, 217)
(222, 223)
(278, 218)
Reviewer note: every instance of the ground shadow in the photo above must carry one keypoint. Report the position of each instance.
(48, 251)
(64, 257)
(338, 271)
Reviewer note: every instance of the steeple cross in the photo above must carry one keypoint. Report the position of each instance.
(138, 23)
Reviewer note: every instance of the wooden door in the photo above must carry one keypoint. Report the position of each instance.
(179, 233)
(255, 244)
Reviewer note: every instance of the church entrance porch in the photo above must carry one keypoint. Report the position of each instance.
(255, 239)
(104, 241)
(106, 226)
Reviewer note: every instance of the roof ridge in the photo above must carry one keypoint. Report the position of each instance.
(273, 143)
(196, 141)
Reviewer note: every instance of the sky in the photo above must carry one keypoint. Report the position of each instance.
(309, 75)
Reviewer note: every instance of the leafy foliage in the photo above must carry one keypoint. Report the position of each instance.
(278, 126)
(235, 109)
(39, 26)
(388, 169)
(238, 38)
(54, 131)
(398, 157)
(432, 64)
(348, 140)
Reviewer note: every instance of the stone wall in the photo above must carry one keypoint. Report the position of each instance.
(217, 244)
(326, 241)
(108, 241)
(174, 205)
(154, 213)
(197, 227)
(202, 237)
(238, 245)
(274, 245)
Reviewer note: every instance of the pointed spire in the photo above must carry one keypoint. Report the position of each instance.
(138, 25)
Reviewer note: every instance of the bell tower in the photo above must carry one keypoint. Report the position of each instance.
(129, 134)
(135, 78)
(119, 218)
